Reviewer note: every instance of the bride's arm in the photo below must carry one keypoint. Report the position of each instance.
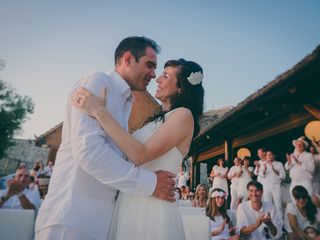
(176, 129)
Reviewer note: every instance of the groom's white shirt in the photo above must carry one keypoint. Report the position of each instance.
(89, 168)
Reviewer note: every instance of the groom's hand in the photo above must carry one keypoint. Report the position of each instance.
(165, 186)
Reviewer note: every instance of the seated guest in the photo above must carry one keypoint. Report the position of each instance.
(217, 212)
(312, 233)
(201, 196)
(257, 219)
(17, 195)
(185, 200)
(301, 214)
(43, 186)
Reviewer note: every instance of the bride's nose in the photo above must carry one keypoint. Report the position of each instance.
(158, 80)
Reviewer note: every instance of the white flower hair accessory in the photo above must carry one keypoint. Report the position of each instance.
(195, 78)
(218, 194)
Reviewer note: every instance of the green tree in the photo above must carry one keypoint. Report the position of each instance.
(14, 111)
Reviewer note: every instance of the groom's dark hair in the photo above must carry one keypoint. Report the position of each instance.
(136, 45)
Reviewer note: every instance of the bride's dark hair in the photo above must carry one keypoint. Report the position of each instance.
(191, 96)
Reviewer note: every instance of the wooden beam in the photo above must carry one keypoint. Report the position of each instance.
(312, 110)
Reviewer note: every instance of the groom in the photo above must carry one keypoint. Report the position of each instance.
(89, 168)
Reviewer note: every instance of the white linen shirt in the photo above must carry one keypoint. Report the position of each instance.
(247, 216)
(259, 172)
(303, 172)
(232, 171)
(89, 168)
(270, 178)
(14, 203)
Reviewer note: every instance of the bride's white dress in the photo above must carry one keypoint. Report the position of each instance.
(139, 217)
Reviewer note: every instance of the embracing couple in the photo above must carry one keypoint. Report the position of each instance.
(98, 157)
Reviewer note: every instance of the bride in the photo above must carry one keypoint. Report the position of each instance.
(161, 144)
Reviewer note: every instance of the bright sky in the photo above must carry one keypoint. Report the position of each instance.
(241, 45)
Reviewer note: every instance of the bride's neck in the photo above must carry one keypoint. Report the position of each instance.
(166, 106)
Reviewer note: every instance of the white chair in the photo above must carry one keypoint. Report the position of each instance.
(17, 224)
(196, 224)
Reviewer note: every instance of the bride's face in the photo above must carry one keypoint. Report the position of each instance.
(167, 85)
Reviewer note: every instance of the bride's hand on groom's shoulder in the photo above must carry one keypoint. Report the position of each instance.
(83, 99)
(165, 186)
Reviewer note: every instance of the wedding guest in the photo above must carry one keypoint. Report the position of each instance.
(315, 151)
(233, 175)
(245, 176)
(188, 191)
(177, 192)
(272, 182)
(185, 200)
(184, 193)
(35, 169)
(260, 165)
(316, 200)
(201, 196)
(43, 186)
(257, 219)
(48, 169)
(219, 218)
(17, 195)
(182, 178)
(219, 175)
(301, 214)
(301, 166)
(312, 233)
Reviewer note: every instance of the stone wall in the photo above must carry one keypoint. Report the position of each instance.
(22, 151)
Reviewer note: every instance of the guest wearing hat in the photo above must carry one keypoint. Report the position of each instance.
(43, 186)
(301, 166)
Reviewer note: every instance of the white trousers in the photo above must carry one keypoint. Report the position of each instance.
(234, 196)
(272, 194)
(60, 232)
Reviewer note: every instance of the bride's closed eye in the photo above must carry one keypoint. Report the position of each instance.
(165, 75)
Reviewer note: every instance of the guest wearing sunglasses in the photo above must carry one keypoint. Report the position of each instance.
(301, 214)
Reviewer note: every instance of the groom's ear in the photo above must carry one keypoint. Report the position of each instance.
(127, 58)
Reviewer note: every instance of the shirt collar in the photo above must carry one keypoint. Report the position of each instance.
(122, 85)
(260, 210)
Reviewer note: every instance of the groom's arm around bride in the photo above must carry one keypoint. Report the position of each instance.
(89, 168)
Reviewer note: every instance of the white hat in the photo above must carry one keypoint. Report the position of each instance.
(302, 140)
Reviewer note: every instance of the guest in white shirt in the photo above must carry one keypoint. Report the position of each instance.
(260, 165)
(221, 226)
(89, 168)
(315, 151)
(257, 219)
(17, 195)
(301, 165)
(182, 178)
(233, 175)
(272, 182)
(301, 214)
(48, 169)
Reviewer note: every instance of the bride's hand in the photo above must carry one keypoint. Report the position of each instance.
(83, 99)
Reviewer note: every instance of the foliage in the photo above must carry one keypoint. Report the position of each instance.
(14, 110)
